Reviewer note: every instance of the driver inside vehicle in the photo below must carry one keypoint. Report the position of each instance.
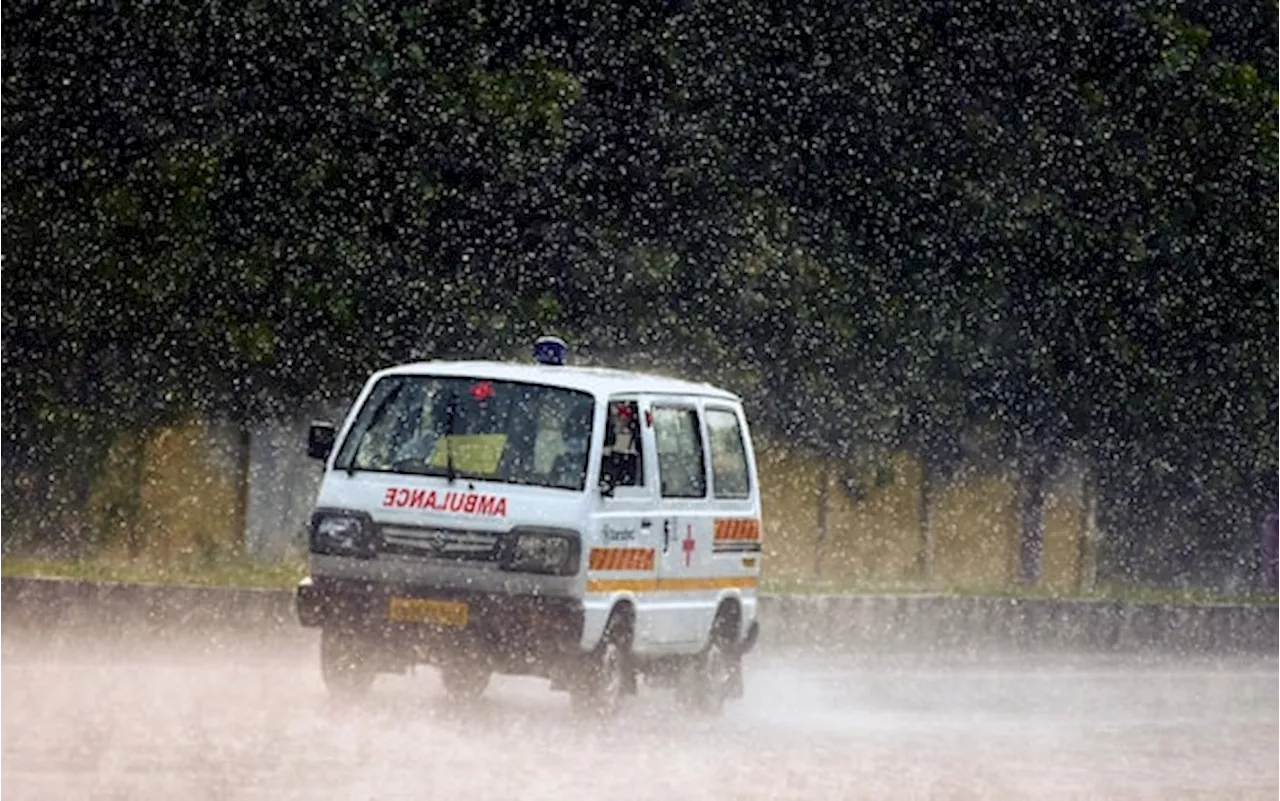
(417, 451)
(570, 467)
(621, 465)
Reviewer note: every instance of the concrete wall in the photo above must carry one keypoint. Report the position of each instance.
(979, 624)
(877, 524)
(182, 493)
(174, 495)
(283, 482)
(838, 622)
(976, 530)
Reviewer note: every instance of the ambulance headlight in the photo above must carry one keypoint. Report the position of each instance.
(342, 533)
(543, 551)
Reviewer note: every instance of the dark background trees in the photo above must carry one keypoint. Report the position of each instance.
(887, 224)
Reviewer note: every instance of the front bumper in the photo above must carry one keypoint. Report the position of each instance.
(508, 628)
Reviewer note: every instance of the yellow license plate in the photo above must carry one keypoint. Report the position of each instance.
(421, 610)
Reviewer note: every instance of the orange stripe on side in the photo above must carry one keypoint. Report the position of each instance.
(739, 582)
(737, 529)
(729, 530)
(723, 528)
(621, 585)
(599, 559)
(671, 585)
(612, 559)
(641, 559)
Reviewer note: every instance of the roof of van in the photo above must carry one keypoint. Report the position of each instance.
(598, 380)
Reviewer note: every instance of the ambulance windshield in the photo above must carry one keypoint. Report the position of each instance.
(472, 428)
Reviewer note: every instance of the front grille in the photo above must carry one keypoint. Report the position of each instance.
(441, 543)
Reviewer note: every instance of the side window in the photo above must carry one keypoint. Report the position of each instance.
(622, 461)
(680, 466)
(728, 455)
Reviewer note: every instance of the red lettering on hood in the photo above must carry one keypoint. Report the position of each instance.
(469, 503)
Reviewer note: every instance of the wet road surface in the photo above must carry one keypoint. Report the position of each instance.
(231, 720)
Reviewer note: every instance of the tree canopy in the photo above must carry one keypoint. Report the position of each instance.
(888, 223)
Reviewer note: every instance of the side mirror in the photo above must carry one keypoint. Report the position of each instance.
(320, 439)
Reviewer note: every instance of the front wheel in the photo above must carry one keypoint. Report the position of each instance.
(344, 663)
(606, 673)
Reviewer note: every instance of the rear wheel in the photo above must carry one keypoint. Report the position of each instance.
(709, 677)
(344, 663)
(606, 673)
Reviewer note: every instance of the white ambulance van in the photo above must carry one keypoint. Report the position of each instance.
(590, 526)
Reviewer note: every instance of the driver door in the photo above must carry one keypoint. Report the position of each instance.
(627, 545)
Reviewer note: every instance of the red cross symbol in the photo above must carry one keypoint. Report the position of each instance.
(687, 545)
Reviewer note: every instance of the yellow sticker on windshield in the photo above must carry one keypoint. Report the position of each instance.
(475, 454)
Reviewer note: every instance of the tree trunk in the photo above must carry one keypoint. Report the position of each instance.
(1035, 475)
(924, 517)
(1088, 534)
(824, 504)
(240, 515)
(134, 538)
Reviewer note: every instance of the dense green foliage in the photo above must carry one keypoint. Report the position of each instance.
(889, 224)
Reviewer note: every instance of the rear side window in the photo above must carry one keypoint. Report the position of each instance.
(681, 470)
(728, 455)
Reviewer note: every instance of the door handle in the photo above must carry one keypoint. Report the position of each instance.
(666, 535)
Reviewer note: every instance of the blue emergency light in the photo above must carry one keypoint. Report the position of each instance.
(549, 350)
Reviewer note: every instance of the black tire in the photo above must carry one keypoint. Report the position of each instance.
(606, 672)
(344, 665)
(708, 679)
(465, 680)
